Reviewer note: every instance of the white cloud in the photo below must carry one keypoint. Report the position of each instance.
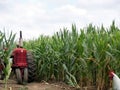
(98, 3)
(87, 2)
(35, 17)
(69, 10)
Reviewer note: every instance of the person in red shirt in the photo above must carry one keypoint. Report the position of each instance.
(19, 56)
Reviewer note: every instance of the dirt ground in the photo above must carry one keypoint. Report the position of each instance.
(12, 85)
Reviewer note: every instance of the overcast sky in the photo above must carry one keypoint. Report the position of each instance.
(36, 17)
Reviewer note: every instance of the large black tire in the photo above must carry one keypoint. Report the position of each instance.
(2, 67)
(25, 77)
(31, 67)
(18, 75)
(2, 75)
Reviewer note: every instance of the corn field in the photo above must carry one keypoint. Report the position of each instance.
(78, 57)
(6, 48)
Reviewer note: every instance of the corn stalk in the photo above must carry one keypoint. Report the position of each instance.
(83, 57)
(6, 44)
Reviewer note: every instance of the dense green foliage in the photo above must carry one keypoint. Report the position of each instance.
(6, 48)
(80, 57)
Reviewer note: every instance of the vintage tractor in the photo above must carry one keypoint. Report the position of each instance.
(23, 63)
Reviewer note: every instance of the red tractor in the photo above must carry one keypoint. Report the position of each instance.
(23, 63)
(20, 64)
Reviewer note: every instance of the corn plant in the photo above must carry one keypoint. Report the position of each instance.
(6, 44)
(78, 57)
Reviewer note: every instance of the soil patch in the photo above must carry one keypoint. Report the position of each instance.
(12, 85)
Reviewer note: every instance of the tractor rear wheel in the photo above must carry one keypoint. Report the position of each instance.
(25, 77)
(18, 75)
(31, 67)
(2, 75)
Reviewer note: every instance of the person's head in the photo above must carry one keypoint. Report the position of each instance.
(17, 45)
(21, 47)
